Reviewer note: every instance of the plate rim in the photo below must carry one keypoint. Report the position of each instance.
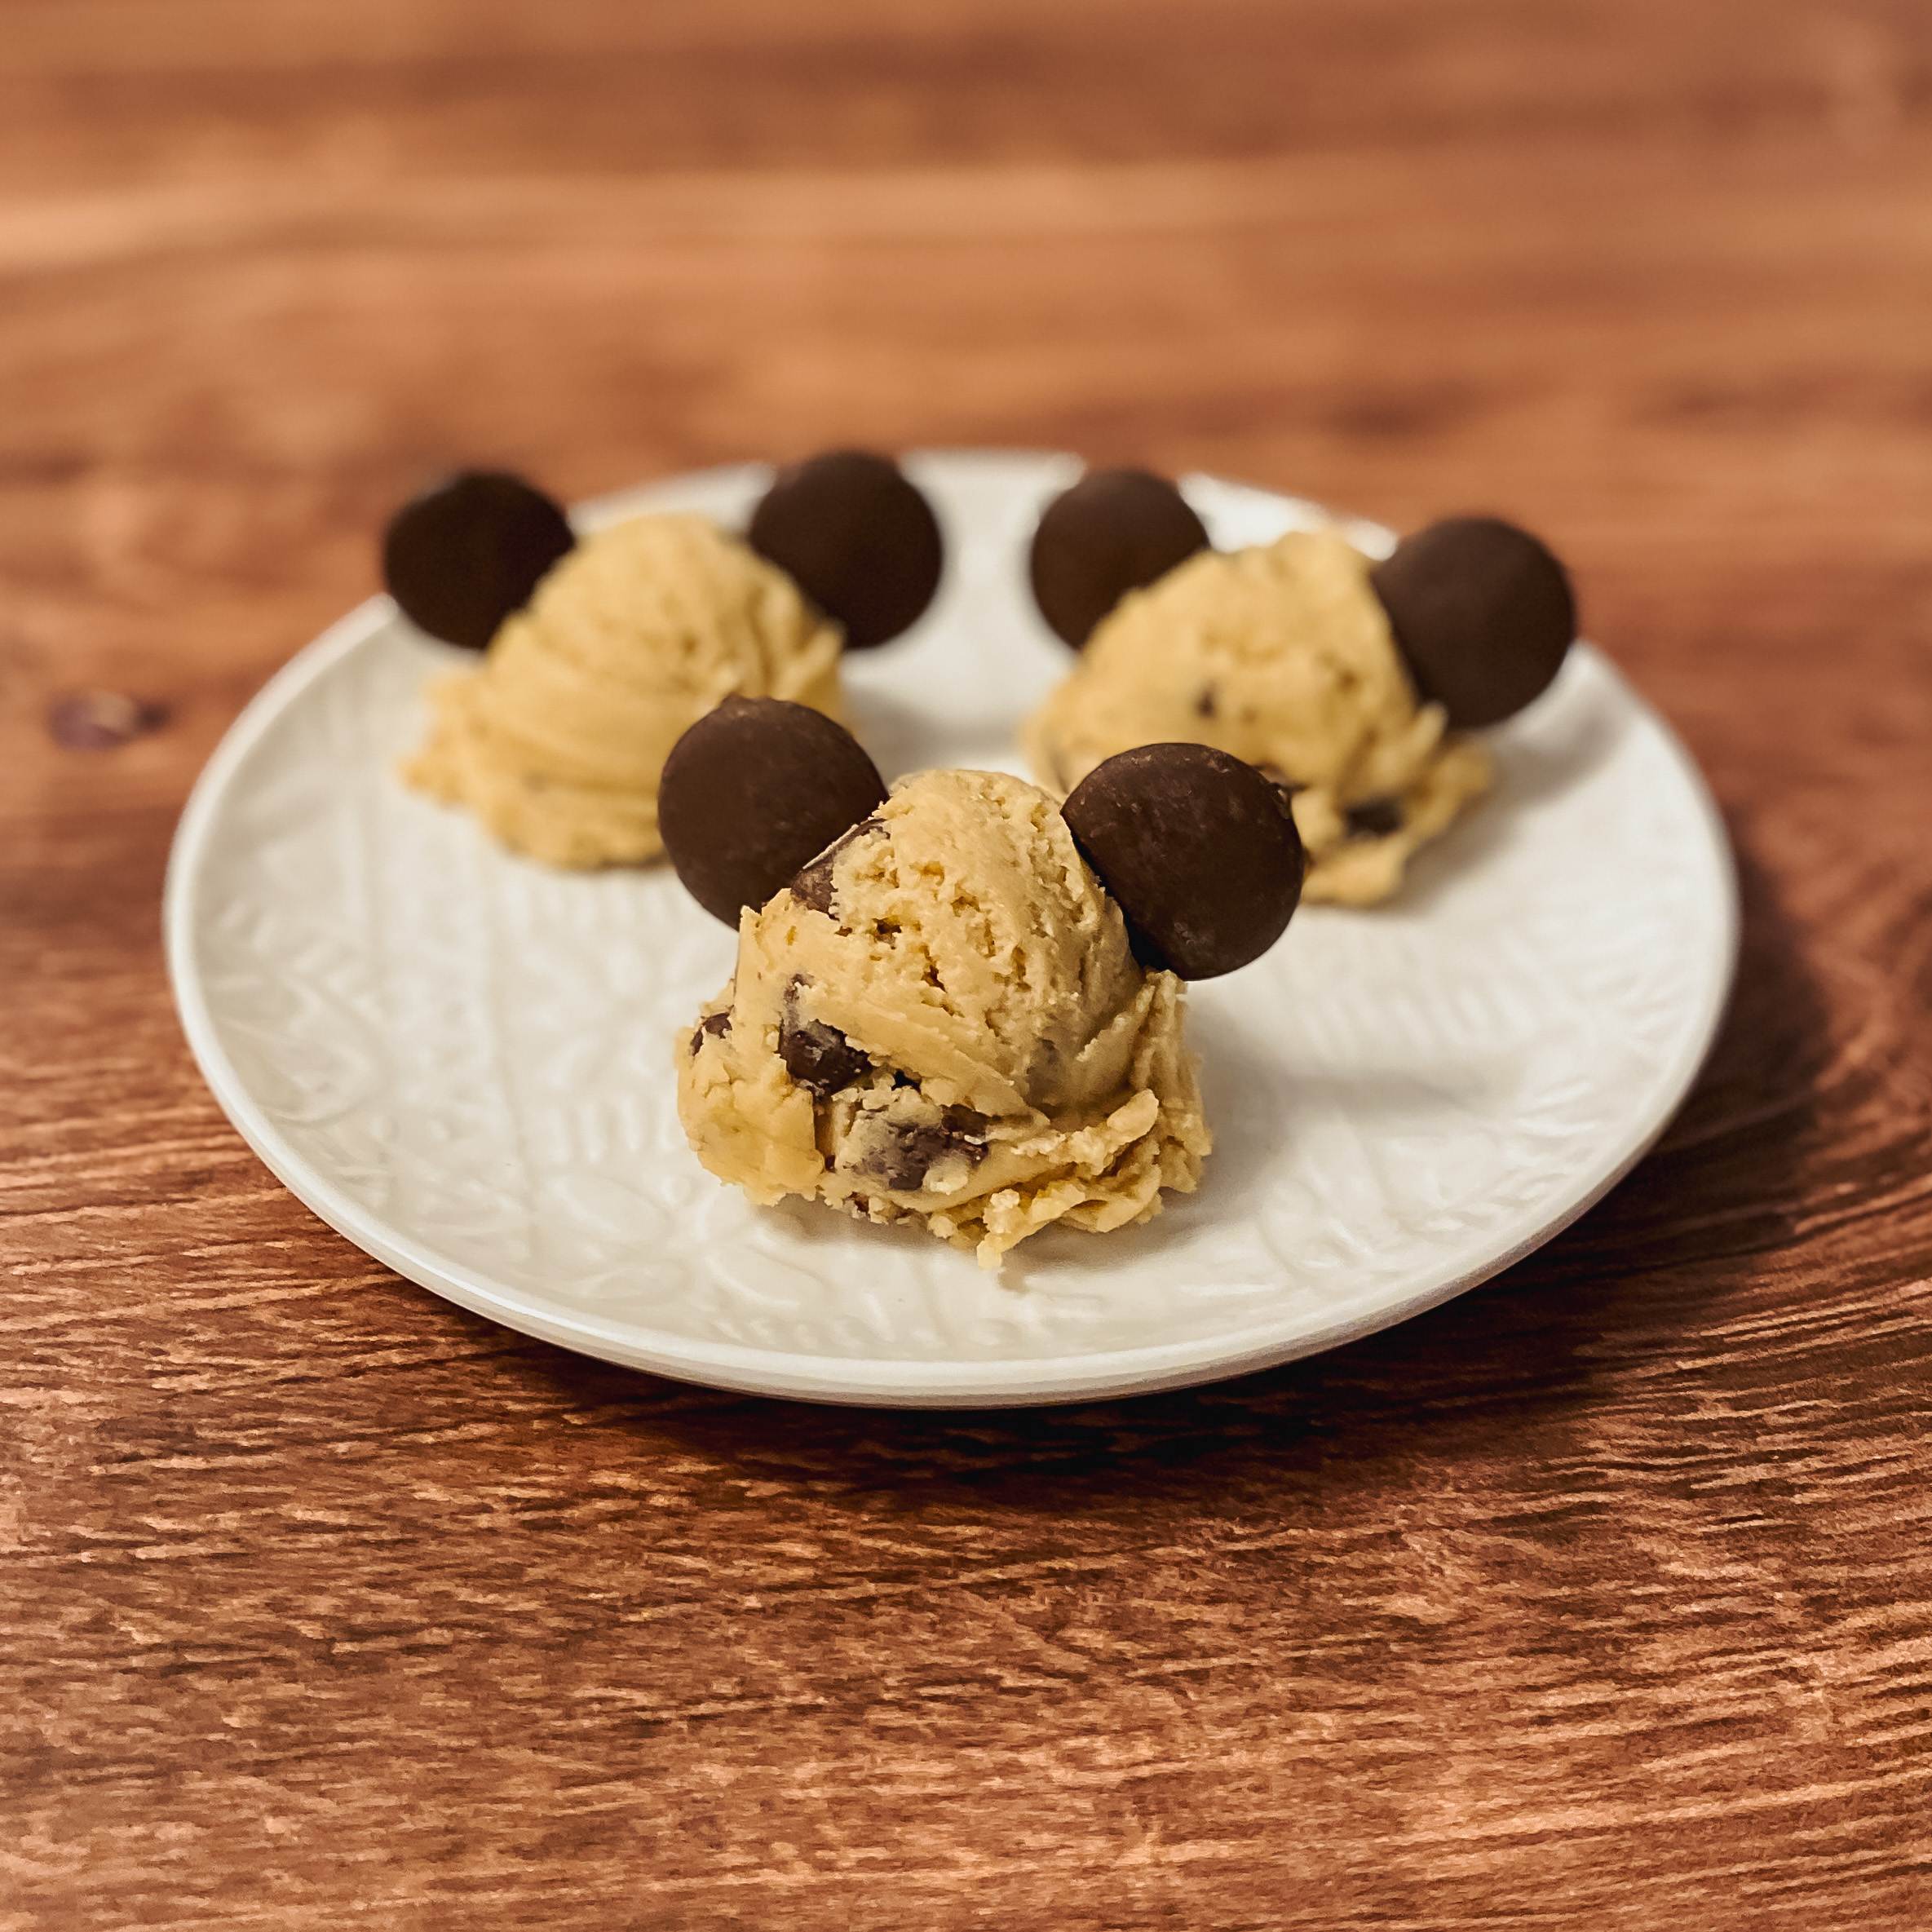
(904, 1382)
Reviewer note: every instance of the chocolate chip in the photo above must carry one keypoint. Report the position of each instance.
(816, 1055)
(914, 1149)
(856, 538)
(100, 720)
(813, 886)
(1482, 613)
(1115, 531)
(1204, 706)
(463, 556)
(1374, 818)
(717, 1025)
(755, 790)
(1198, 851)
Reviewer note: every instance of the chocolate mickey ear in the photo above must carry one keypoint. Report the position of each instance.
(1482, 613)
(754, 791)
(856, 538)
(463, 556)
(1115, 531)
(1200, 851)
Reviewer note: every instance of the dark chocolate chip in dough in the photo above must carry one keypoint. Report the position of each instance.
(1374, 818)
(1482, 613)
(915, 1148)
(755, 790)
(1198, 851)
(1115, 531)
(816, 1055)
(717, 1025)
(813, 886)
(856, 538)
(463, 556)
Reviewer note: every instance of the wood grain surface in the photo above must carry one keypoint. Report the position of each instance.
(1601, 1598)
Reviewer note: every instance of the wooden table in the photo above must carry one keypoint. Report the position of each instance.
(1601, 1598)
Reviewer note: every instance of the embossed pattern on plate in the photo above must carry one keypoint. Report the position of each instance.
(462, 1061)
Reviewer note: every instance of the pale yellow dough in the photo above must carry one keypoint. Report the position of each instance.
(556, 742)
(1018, 1067)
(1281, 655)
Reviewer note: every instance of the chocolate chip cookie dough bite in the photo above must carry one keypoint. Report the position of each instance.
(599, 652)
(1353, 685)
(963, 1007)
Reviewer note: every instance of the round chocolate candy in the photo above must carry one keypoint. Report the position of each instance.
(755, 790)
(1482, 613)
(463, 556)
(856, 538)
(1200, 851)
(1115, 531)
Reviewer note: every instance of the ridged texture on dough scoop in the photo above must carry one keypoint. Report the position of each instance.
(942, 1019)
(1281, 655)
(557, 741)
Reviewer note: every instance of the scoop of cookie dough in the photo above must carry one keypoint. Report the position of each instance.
(556, 742)
(1283, 655)
(940, 1020)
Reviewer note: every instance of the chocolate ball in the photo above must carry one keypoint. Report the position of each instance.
(1115, 531)
(1200, 851)
(755, 790)
(463, 556)
(856, 538)
(1482, 612)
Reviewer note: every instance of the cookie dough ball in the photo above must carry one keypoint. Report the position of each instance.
(557, 741)
(941, 1021)
(1282, 656)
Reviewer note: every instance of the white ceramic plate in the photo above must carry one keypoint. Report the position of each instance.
(462, 1061)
